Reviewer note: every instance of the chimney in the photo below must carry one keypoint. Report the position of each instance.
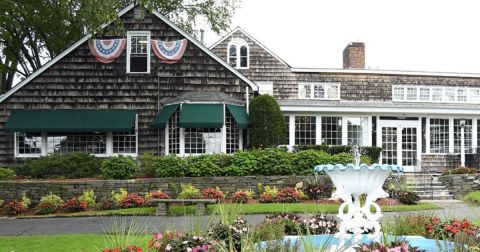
(354, 55)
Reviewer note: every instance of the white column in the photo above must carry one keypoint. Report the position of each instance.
(474, 134)
(369, 131)
(182, 142)
(462, 145)
(344, 131)
(240, 139)
(318, 130)
(109, 143)
(399, 145)
(44, 143)
(223, 143)
(291, 131)
(167, 138)
(450, 136)
(427, 135)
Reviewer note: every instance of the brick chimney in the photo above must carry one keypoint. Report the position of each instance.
(354, 55)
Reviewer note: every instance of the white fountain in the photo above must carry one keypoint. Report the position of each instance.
(351, 182)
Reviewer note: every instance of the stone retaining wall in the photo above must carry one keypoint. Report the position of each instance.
(461, 184)
(68, 189)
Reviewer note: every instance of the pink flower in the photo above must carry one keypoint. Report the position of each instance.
(158, 236)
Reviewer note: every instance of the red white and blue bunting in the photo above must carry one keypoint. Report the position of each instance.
(107, 50)
(169, 52)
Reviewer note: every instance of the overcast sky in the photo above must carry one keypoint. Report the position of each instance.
(421, 35)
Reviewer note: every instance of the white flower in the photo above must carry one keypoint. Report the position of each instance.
(169, 247)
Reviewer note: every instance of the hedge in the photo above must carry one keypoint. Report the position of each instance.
(372, 152)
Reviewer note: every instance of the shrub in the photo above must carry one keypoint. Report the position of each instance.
(175, 241)
(49, 204)
(342, 158)
(131, 248)
(116, 198)
(305, 161)
(411, 224)
(14, 207)
(314, 190)
(273, 161)
(121, 167)
(72, 165)
(241, 197)
(1, 203)
(269, 194)
(202, 166)
(268, 127)
(7, 174)
(148, 163)
(26, 201)
(291, 222)
(213, 193)
(243, 163)
(436, 229)
(288, 195)
(269, 231)
(372, 152)
(319, 224)
(460, 170)
(74, 205)
(189, 192)
(230, 234)
(409, 198)
(88, 196)
(150, 196)
(131, 200)
(108, 204)
(365, 160)
(171, 166)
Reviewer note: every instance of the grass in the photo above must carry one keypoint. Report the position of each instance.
(73, 242)
(264, 208)
(473, 197)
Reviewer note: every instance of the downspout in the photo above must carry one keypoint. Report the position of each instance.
(158, 109)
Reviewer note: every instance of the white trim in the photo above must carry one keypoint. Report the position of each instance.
(167, 138)
(253, 39)
(474, 133)
(470, 99)
(318, 130)
(379, 109)
(291, 130)
(110, 144)
(223, 133)
(387, 72)
(238, 43)
(265, 87)
(129, 49)
(327, 86)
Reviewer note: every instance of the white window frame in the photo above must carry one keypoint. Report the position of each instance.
(327, 86)
(265, 87)
(138, 33)
(238, 42)
(451, 139)
(17, 153)
(469, 92)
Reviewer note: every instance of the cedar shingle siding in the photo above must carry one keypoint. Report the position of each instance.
(79, 81)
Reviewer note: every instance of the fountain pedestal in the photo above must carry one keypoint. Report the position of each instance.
(351, 182)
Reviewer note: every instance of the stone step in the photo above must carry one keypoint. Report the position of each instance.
(435, 197)
(428, 187)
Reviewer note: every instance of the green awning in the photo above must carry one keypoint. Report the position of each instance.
(163, 116)
(70, 120)
(201, 116)
(240, 116)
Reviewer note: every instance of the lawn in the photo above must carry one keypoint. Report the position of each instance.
(264, 208)
(473, 197)
(75, 242)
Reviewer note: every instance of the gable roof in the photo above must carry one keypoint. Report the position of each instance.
(254, 40)
(50, 63)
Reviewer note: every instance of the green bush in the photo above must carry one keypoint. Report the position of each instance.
(189, 192)
(202, 166)
(121, 167)
(473, 197)
(171, 166)
(342, 158)
(6, 174)
(243, 163)
(273, 161)
(147, 164)
(372, 152)
(268, 127)
(305, 161)
(49, 204)
(72, 165)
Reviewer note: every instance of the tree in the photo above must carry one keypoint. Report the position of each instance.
(34, 31)
(268, 125)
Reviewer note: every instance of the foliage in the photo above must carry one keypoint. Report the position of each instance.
(49, 204)
(121, 167)
(202, 166)
(241, 197)
(213, 193)
(147, 164)
(171, 166)
(74, 205)
(291, 222)
(231, 234)
(131, 200)
(273, 161)
(459, 170)
(448, 229)
(372, 152)
(319, 224)
(400, 246)
(365, 160)
(108, 204)
(1, 203)
(72, 165)
(243, 163)
(189, 192)
(7, 174)
(269, 231)
(288, 195)
(473, 197)
(150, 196)
(117, 197)
(269, 194)
(26, 201)
(268, 127)
(88, 196)
(304, 161)
(26, 40)
(411, 224)
(314, 190)
(409, 198)
(342, 158)
(131, 248)
(175, 241)
(14, 207)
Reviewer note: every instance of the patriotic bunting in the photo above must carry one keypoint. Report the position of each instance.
(169, 52)
(107, 50)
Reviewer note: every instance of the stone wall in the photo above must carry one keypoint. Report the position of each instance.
(68, 189)
(461, 184)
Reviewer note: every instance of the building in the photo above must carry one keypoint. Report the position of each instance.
(112, 100)
(416, 117)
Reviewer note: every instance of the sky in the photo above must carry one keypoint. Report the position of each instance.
(421, 35)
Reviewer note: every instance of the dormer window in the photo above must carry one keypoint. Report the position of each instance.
(138, 52)
(238, 54)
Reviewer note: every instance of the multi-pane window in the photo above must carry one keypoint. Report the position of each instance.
(238, 55)
(124, 142)
(138, 52)
(439, 135)
(305, 131)
(29, 143)
(357, 130)
(85, 142)
(202, 140)
(325, 91)
(286, 139)
(174, 134)
(467, 135)
(436, 94)
(332, 130)
(233, 134)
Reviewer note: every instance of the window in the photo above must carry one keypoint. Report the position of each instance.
(436, 94)
(461, 95)
(324, 91)
(286, 140)
(124, 143)
(202, 140)
(474, 95)
(357, 130)
(411, 94)
(439, 135)
(457, 135)
(398, 94)
(265, 87)
(238, 54)
(174, 134)
(449, 95)
(29, 144)
(233, 134)
(85, 142)
(305, 131)
(424, 94)
(332, 130)
(138, 52)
